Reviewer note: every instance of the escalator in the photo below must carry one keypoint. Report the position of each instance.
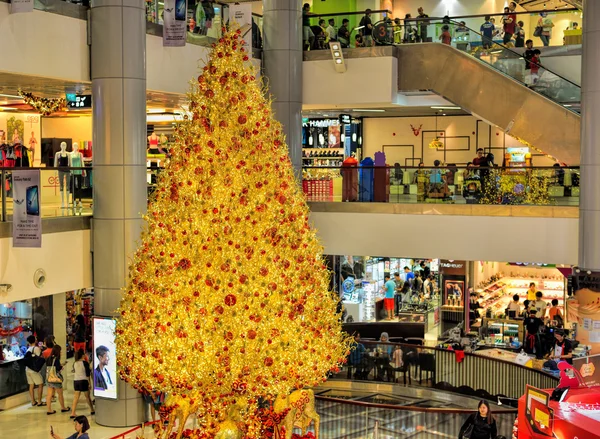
(487, 84)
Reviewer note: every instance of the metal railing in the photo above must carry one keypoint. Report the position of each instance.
(474, 375)
(448, 184)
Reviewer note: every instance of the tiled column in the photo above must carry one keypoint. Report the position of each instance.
(118, 55)
(282, 62)
(589, 209)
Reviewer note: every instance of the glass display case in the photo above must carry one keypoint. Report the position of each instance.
(502, 332)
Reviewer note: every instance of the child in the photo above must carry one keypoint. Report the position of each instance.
(358, 41)
(535, 67)
(156, 399)
(445, 37)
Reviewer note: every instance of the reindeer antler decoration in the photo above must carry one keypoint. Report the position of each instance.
(416, 131)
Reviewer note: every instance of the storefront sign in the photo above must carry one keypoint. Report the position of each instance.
(79, 101)
(320, 123)
(27, 222)
(589, 369)
(345, 119)
(450, 266)
(175, 29)
(18, 6)
(242, 15)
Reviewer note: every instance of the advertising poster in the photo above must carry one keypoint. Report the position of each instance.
(27, 222)
(242, 15)
(105, 358)
(584, 309)
(175, 23)
(18, 6)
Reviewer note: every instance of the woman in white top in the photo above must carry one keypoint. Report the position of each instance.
(514, 306)
(81, 378)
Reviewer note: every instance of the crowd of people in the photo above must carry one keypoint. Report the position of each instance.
(412, 290)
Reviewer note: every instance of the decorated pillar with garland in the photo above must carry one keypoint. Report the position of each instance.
(228, 309)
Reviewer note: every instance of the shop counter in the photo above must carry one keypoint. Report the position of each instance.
(393, 328)
(12, 378)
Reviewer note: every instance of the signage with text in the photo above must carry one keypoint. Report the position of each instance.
(79, 101)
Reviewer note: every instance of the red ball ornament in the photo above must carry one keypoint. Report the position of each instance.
(209, 94)
(242, 119)
(252, 334)
(268, 361)
(212, 69)
(230, 300)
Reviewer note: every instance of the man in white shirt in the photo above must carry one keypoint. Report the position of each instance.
(331, 30)
(515, 306)
(34, 378)
(540, 306)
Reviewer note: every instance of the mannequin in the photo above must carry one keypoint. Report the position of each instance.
(62, 159)
(32, 146)
(153, 143)
(76, 159)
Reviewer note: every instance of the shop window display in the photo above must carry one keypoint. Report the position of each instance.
(19, 320)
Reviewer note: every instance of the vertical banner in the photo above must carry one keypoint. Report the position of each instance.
(242, 15)
(18, 6)
(27, 223)
(175, 23)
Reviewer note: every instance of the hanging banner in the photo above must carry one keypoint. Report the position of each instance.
(242, 15)
(18, 6)
(27, 221)
(175, 20)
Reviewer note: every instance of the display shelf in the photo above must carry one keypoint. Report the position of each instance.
(502, 331)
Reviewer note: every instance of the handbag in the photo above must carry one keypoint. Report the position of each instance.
(468, 432)
(52, 376)
(538, 31)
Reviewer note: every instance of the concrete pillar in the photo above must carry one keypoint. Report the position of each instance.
(589, 210)
(118, 57)
(282, 62)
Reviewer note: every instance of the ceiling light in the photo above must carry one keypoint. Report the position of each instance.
(336, 54)
(8, 109)
(338, 61)
(368, 110)
(441, 107)
(155, 110)
(10, 96)
(335, 47)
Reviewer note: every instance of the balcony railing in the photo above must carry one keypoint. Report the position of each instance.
(449, 184)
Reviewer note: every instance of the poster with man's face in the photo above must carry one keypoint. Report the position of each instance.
(105, 359)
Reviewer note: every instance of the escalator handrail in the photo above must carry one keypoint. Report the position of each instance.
(520, 55)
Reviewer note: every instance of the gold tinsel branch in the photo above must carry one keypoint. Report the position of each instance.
(44, 106)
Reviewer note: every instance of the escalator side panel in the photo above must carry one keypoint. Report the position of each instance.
(497, 98)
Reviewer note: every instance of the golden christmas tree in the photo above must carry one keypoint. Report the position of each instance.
(228, 299)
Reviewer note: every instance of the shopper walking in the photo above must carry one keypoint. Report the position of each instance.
(54, 379)
(366, 30)
(32, 371)
(445, 36)
(48, 345)
(540, 306)
(390, 289)
(81, 424)
(308, 37)
(546, 25)
(487, 30)
(520, 34)
(555, 315)
(81, 381)
(422, 25)
(509, 22)
(480, 425)
(398, 293)
(79, 333)
(532, 343)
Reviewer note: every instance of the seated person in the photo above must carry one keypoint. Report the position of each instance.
(382, 360)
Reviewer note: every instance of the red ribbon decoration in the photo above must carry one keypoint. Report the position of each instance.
(9, 332)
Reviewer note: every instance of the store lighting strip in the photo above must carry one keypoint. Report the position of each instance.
(445, 108)
(368, 110)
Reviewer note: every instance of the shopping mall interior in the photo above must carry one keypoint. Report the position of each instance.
(289, 219)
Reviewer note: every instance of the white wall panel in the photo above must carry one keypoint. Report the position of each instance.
(65, 257)
(485, 238)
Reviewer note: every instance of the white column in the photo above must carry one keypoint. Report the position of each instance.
(589, 209)
(282, 62)
(118, 29)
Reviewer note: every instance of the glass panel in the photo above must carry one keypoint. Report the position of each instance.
(510, 185)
